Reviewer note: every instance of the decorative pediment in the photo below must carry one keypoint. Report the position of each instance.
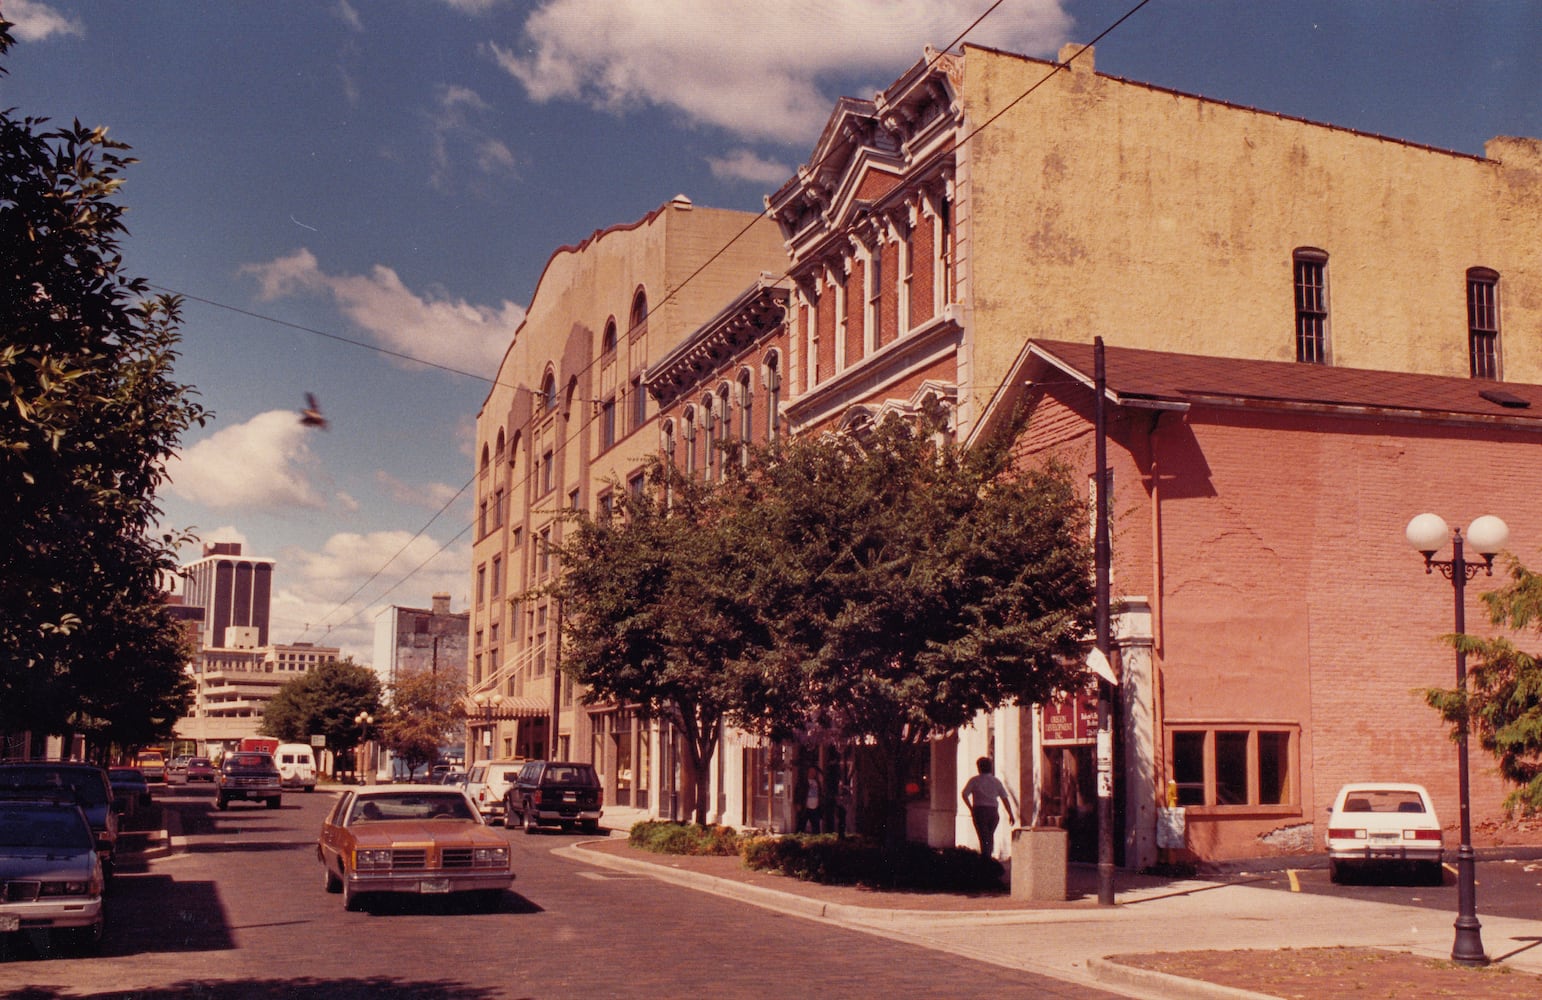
(756, 313)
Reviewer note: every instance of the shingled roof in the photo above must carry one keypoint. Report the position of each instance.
(1162, 380)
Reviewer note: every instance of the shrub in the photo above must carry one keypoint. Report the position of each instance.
(684, 838)
(856, 861)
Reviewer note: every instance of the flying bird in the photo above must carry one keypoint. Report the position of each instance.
(311, 415)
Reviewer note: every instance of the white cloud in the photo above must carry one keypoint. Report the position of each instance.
(472, 6)
(429, 496)
(263, 463)
(458, 136)
(431, 327)
(348, 15)
(735, 65)
(312, 602)
(744, 165)
(36, 22)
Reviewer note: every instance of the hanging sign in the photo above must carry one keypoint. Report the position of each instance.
(1070, 720)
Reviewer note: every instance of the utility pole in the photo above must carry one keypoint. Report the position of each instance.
(1100, 549)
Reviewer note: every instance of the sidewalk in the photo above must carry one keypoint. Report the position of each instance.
(1074, 940)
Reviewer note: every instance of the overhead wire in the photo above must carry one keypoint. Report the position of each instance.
(584, 425)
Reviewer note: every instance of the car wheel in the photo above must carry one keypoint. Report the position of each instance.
(590, 826)
(527, 815)
(331, 882)
(353, 900)
(82, 940)
(273, 803)
(1434, 873)
(1335, 872)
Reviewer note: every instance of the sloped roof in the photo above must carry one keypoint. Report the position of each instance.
(1163, 380)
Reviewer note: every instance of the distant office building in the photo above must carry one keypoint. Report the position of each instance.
(235, 591)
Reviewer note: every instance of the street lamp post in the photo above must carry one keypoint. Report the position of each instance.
(367, 767)
(488, 702)
(1487, 535)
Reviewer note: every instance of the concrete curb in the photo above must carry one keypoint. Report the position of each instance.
(1164, 984)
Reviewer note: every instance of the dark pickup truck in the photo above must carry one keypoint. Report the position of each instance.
(247, 775)
(554, 792)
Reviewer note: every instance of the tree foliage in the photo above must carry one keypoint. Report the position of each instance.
(324, 701)
(881, 588)
(914, 585)
(425, 710)
(89, 412)
(655, 610)
(1503, 700)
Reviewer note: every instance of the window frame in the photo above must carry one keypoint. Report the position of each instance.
(1483, 360)
(1309, 281)
(1212, 782)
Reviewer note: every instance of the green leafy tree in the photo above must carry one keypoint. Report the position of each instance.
(912, 585)
(89, 413)
(324, 701)
(655, 613)
(1503, 700)
(425, 710)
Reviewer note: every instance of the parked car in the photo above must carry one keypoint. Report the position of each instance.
(198, 769)
(91, 789)
(454, 777)
(417, 839)
(297, 766)
(248, 776)
(50, 873)
(1381, 824)
(488, 781)
(130, 790)
(560, 792)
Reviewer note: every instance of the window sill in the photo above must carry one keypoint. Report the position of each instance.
(1242, 811)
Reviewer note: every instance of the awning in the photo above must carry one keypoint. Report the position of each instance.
(510, 707)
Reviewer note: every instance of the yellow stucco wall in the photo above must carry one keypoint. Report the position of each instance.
(1101, 207)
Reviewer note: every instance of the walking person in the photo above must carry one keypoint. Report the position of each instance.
(980, 794)
(813, 800)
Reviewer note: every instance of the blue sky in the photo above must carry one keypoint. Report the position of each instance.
(397, 172)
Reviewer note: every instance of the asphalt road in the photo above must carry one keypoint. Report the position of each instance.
(1509, 888)
(239, 911)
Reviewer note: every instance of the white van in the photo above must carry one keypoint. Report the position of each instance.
(488, 781)
(296, 766)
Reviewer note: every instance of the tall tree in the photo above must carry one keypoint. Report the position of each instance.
(656, 616)
(425, 710)
(324, 701)
(89, 413)
(913, 585)
(1503, 700)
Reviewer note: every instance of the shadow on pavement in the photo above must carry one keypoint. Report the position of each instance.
(396, 904)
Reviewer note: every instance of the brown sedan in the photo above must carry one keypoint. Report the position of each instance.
(421, 839)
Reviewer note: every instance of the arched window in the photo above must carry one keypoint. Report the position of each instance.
(485, 459)
(608, 341)
(746, 395)
(709, 422)
(771, 375)
(549, 393)
(725, 428)
(498, 452)
(688, 432)
(639, 312)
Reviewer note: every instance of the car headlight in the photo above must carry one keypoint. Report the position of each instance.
(491, 855)
(376, 858)
(81, 887)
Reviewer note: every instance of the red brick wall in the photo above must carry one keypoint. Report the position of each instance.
(856, 304)
(1285, 592)
(923, 249)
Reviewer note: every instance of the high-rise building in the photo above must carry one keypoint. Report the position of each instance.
(234, 590)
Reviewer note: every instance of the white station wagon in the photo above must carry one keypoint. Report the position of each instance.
(1382, 824)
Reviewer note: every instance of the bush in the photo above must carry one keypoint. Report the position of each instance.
(684, 838)
(833, 860)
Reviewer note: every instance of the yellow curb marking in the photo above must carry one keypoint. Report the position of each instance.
(1295, 883)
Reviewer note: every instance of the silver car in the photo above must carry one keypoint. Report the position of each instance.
(50, 875)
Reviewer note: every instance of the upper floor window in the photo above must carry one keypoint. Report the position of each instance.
(688, 433)
(548, 472)
(639, 403)
(549, 393)
(1311, 270)
(771, 373)
(499, 452)
(1483, 322)
(608, 341)
(875, 294)
(608, 423)
(746, 407)
(639, 312)
(497, 579)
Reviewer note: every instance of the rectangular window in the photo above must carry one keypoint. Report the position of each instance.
(1311, 308)
(1483, 323)
(481, 585)
(497, 577)
(498, 509)
(482, 519)
(608, 423)
(548, 472)
(639, 404)
(1244, 766)
(875, 295)
(543, 558)
(634, 485)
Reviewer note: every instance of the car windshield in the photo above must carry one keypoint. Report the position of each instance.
(247, 760)
(409, 805)
(198, 762)
(22, 826)
(567, 774)
(86, 782)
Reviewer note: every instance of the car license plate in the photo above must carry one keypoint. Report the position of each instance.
(434, 885)
(570, 796)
